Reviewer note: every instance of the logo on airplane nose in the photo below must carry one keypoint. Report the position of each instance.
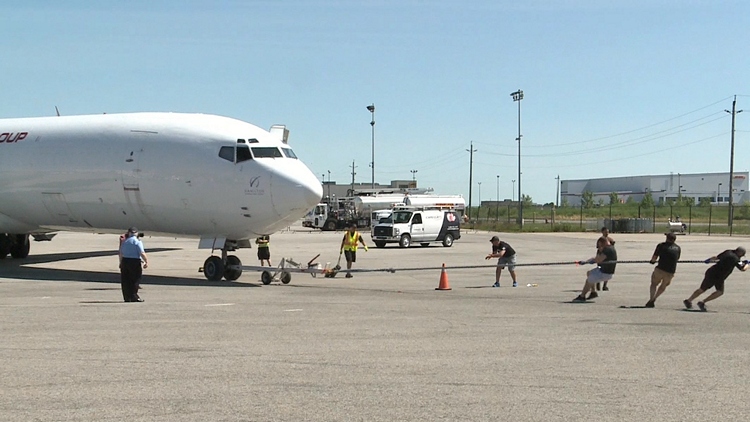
(255, 188)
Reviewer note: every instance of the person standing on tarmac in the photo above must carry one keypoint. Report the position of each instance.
(349, 247)
(131, 254)
(668, 254)
(505, 255)
(715, 276)
(264, 249)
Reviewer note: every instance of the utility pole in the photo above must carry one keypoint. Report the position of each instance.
(471, 172)
(353, 174)
(413, 175)
(557, 194)
(731, 164)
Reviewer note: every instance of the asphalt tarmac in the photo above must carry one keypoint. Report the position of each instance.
(376, 347)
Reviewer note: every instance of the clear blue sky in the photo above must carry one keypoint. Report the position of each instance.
(612, 88)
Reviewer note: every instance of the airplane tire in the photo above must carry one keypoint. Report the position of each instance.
(5, 244)
(213, 268)
(266, 278)
(232, 274)
(21, 247)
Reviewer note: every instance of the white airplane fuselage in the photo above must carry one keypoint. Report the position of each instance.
(191, 175)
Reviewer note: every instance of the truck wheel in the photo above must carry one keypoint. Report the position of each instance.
(405, 241)
(448, 240)
(380, 244)
(330, 225)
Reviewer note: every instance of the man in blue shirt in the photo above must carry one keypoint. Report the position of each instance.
(131, 254)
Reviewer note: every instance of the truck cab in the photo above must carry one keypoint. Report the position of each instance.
(407, 225)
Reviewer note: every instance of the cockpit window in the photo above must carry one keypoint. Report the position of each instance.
(266, 152)
(243, 153)
(289, 153)
(228, 153)
(252, 141)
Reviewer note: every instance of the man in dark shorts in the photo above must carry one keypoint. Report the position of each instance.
(264, 249)
(606, 258)
(505, 255)
(668, 253)
(715, 276)
(608, 238)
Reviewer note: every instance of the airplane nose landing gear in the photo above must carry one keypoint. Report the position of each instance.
(228, 267)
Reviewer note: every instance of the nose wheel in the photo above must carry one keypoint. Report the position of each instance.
(229, 268)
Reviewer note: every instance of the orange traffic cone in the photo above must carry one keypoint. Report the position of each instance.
(444, 285)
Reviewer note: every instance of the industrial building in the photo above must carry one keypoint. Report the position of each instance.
(663, 188)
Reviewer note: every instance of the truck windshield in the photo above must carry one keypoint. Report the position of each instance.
(401, 217)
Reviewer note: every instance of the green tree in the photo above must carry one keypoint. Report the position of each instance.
(745, 211)
(527, 202)
(614, 198)
(647, 201)
(704, 202)
(587, 199)
(630, 200)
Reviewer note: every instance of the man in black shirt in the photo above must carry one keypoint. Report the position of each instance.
(668, 253)
(715, 276)
(606, 258)
(506, 256)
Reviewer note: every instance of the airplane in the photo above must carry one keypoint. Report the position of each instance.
(210, 177)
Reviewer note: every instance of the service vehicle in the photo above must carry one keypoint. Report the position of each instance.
(423, 225)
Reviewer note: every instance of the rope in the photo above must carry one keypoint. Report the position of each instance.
(534, 264)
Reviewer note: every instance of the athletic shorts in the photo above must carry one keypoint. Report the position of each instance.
(510, 261)
(264, 253)
(350, 256)
(709, 282)
(597, 276)
(661, 276)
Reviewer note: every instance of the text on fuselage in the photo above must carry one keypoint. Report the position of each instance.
(10, 137)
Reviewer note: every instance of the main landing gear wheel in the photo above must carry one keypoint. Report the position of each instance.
(233, 269)
(5, 244)
(21, 247)
(213, 268)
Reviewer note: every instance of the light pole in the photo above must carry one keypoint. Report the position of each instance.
(329, 183)
(471, 172)
(557, 193)
(718, 193)
(517, 97)
(480, 199)
(371, 108)
(324, 182)
(413, 175)
(513, 191)
(497, 200)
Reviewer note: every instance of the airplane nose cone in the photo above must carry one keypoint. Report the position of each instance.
(293, 194)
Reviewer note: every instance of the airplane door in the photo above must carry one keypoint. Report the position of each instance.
(417, 227)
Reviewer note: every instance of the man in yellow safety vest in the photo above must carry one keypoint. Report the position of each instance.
(349, 247)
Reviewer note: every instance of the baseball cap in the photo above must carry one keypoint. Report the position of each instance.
(133, 230)
(671, 236)
(494, 238)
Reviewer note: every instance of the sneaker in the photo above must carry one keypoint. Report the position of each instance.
(515, 284)
(605, 288)
(497, 284)
(349, 275)
(702, 306)
(650, 304)
(593, 295)
(579, 298)
(688, 304)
